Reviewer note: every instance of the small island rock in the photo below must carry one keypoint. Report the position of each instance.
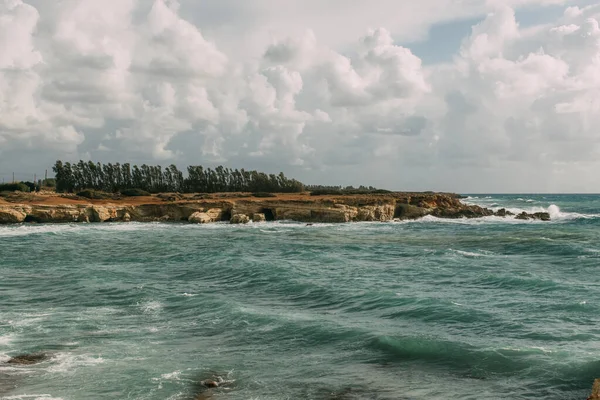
(200, 218)
(240, 219)
(259, 217)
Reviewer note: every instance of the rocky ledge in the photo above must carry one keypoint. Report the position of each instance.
(302, 208)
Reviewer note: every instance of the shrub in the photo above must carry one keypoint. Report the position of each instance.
(263, 194)
(134, 192)
(94, 194)
(323, 192)
(50, 182)
(11, 187)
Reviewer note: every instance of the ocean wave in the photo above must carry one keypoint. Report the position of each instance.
(151, 307)
(32, 397)
(68, 363)
(471, 253)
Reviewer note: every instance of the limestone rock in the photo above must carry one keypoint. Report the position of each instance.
(294, 214)
(126, 217)
(259, 217)
(239, 219)
(11, 216)
(200, 218)
(50, 214)
(408, 211)
(102, 214)
(380, 213)
(215, 214)
(595, 391)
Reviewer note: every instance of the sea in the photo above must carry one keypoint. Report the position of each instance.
(489, 308)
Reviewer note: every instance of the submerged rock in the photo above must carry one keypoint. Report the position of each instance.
(28, 359)
(240, 219)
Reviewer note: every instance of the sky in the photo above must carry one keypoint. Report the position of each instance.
(468, 96)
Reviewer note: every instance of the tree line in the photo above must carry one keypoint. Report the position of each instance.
(113, 178)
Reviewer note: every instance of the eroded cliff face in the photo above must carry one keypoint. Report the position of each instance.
(309, 209)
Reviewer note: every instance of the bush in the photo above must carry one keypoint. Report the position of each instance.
(134, 192)
(11, 187)
(324, 192)
(263, 194)
(347, 192)
(94, 194)
(50, 182)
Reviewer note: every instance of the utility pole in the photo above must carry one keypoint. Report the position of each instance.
(13, 178)
(46, 177)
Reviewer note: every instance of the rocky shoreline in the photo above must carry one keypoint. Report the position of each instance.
(309, 209)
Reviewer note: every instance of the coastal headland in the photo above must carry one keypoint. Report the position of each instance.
(50, 207)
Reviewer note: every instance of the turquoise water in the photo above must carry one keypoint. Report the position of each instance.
(430, 309)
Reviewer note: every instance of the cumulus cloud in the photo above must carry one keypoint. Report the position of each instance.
(149, 82)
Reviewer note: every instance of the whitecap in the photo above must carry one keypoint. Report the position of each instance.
(175, 375)
(32, 396)
(468, 253)
(67, 362)
(6, 340)
(151, 306)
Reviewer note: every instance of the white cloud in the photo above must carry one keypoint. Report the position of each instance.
(130, 80)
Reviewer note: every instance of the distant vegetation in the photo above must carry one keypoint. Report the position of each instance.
(94, 194)
(11, 187)
(318, 190)
(134, 192)
(120, 178)
(263, 194)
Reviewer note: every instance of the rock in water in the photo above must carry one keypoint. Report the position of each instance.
(240, 219)
(595, 391)
(259, 217)
(503, 212)
(210, 383)
(28, 359)
(543, 216)
(199, 218)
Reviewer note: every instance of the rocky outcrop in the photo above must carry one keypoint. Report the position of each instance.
(595, 391)
(200, 218)
(309, 209)
(543, 216)
(503, 213)
(240, 219)
(8, 216)
(103, 214)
